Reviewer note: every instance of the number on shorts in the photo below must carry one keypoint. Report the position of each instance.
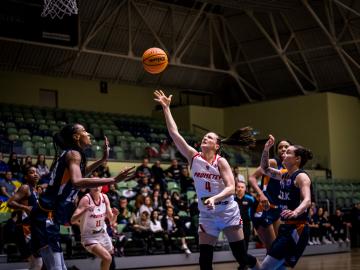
(98, 223)
(208, 186)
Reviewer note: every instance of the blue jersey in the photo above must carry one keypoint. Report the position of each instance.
(60, 194)
(290, 194)
(271, 187)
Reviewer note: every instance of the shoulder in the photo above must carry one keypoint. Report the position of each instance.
(73, 156)
(25, 188)
(85, 200)
(249, 197)
(222, 162)
(302, 179)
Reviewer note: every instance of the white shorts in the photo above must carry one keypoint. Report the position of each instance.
(214, 222)
(89, 241)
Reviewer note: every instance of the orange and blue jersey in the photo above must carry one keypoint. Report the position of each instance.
(60, 194)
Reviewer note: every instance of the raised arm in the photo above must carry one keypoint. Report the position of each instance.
(73, 159)
(229, 182)
(185, 149)
(93, 166)
(253, 180)
(303, 182)
(266, 169)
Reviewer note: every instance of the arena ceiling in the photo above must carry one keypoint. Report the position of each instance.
(238, 51)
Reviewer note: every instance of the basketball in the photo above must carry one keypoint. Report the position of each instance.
(154, 60)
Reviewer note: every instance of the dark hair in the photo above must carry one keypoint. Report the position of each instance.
(304, 153)
(282, 140)
(242, 137)
(64, 140)
(27, 168)
(38, 160)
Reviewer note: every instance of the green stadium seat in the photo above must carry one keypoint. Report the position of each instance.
(24, 131)
(24, 138)
(37, 138)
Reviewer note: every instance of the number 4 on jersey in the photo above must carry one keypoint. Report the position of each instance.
(208, 186)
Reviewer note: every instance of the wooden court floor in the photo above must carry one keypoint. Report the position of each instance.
(338, 261)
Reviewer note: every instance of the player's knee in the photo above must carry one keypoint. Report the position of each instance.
(107, 257)
(206, 257)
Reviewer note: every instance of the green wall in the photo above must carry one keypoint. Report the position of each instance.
(77, 94)
(344, 127)
(302, 120)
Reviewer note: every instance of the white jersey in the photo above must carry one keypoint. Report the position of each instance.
(208, 182)
(93, 222)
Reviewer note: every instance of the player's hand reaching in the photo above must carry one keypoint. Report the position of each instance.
(125, 175)
(115, 211)
(106, 149)
(162, 98)
(269, 143)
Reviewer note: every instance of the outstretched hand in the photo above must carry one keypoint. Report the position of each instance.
(270, 142)
(106, 149)
(162, 98)
(125, 175)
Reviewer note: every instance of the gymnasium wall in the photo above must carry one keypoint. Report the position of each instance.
(24, 88)
(344, 125)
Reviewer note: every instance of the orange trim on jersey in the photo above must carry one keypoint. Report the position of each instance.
(212, 162)
(66, 177)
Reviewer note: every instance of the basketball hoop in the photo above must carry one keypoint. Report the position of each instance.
(59, 8)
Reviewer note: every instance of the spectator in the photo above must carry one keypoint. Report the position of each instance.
(173, 229)
(141, 230)
(8, 186)
(42, 169)
(155, 227)
(114, 196)
(174, 170)
(324, 227)
(26, 163)
(3, 166)
(314, 228)
(165, 151)
(145, 185)
(186, 182)
(147, 206)
(125, 213)
(143, 169)
(177, 202)
(158, 174)
(338, 226)
(238, 176)
(14, 165)
(156, 199)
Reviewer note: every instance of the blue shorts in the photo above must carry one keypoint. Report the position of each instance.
(44, 231)
(265, 218)
(290, 243)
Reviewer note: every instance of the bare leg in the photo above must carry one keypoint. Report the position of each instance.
(99, 251)
(266, 235)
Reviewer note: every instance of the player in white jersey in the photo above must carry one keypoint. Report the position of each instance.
(92, 210)
(215, 186)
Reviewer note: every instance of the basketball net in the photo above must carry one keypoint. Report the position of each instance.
(59, 8)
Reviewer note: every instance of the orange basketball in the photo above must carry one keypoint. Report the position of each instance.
(154, 60)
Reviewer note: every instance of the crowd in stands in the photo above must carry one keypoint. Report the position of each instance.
(158, 209)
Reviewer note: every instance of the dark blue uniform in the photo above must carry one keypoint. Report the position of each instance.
(246, 206)
(55, 207)
(293, 234)
(270, 188)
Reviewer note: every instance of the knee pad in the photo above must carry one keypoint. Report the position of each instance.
(238, 249)
(206, 257)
